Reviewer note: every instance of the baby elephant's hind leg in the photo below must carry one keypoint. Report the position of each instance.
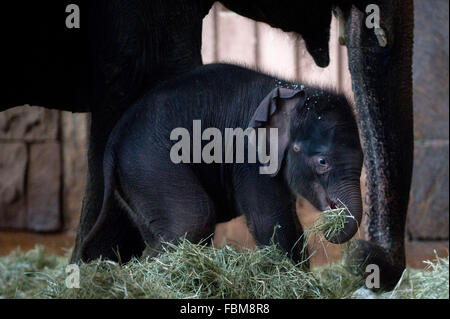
(193, 220)
(173, 207)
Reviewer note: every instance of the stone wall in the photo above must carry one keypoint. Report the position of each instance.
(428, 214)
(43, 152)
(42, 169)
(30, 169)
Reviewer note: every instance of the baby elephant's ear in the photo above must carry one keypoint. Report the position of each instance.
(274, 112)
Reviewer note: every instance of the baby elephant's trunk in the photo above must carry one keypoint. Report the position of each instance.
(347, 196)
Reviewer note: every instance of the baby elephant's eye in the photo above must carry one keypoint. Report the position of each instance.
(322, 161)
(322, 166)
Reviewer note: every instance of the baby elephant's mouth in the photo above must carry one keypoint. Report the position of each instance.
(331, 204)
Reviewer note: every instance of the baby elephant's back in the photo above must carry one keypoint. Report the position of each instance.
(211, 96)
(220, 95)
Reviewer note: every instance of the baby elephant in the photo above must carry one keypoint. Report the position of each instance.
(169, 192)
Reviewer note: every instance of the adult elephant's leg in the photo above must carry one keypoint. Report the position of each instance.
(118, 234)
(380, 64)
(134, 44)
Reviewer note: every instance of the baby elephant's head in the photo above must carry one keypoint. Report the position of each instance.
(319, 152)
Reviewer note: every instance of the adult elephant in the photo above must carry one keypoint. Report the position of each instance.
(123, 48)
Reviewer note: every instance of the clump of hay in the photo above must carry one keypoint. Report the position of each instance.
(328, 225)
(24, 274)
(185, 270)
(432, 283)
(198, 271)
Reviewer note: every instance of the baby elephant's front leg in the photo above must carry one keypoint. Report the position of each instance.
(269, 208)
(281, 228)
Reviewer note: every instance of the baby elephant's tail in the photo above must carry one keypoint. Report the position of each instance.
(108, 195)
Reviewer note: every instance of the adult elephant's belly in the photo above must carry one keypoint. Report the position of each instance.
(42, 61)
(121, 49)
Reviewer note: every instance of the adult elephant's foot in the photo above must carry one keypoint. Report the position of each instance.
(361, 253)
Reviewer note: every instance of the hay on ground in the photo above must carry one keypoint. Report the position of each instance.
(198, 271)
(189, 270)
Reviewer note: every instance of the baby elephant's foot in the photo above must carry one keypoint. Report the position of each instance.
(150, 252)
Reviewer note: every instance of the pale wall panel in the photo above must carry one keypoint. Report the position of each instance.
(277, 52)
(209, 37)
(311, 73)
(236, 38)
